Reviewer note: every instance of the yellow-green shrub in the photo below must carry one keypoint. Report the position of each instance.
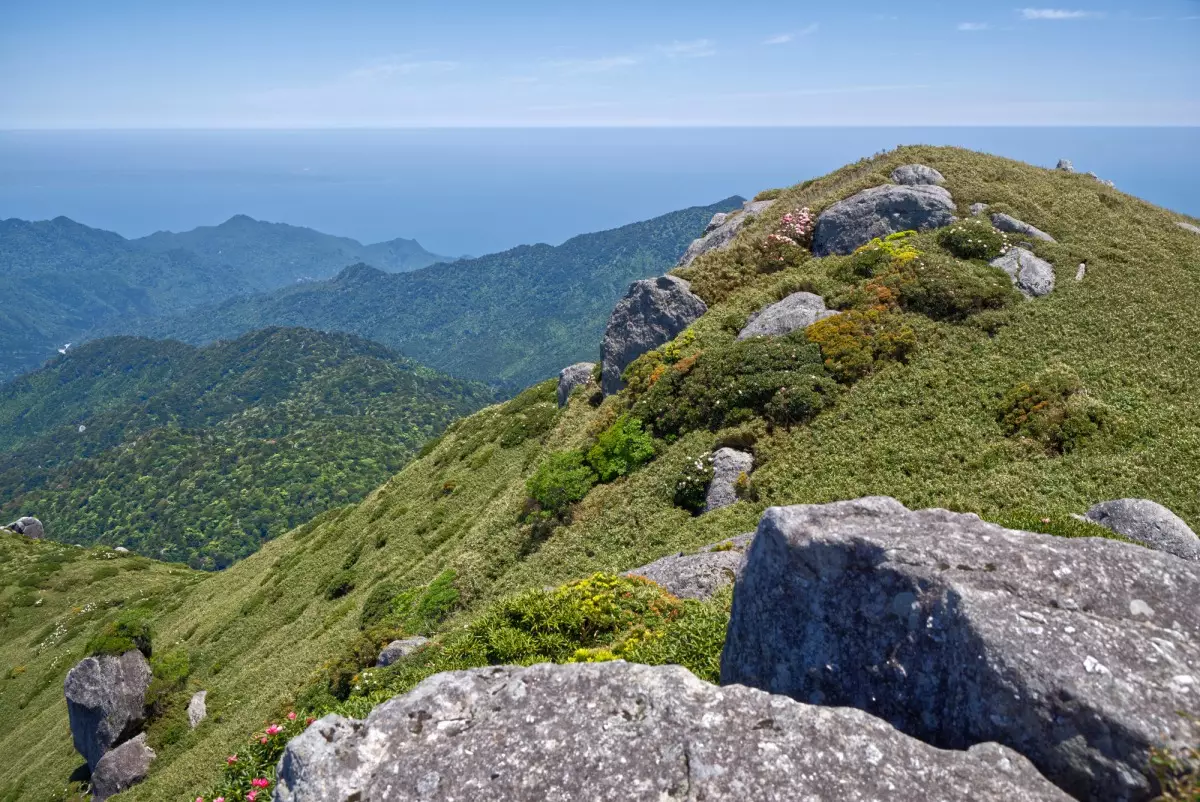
(855, 342)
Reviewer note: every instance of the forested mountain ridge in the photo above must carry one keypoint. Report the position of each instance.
(199, 455)
(513, 317)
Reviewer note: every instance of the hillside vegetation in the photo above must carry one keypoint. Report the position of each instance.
(936, 386)
(514, 317)
(198, 455)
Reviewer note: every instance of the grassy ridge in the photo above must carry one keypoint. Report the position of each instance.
(928, 432)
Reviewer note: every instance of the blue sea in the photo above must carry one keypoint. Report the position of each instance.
(475, 191)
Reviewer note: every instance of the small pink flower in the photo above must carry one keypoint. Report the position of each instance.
(199, 799)
(260, 782)
(219, 799)
(231, 760)
(292, 716)
(274, 729)
(250, 797)
(262, 740)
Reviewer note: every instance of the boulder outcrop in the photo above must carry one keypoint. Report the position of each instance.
(722, 230)
(106, 702)
(914, 175)
(728, 465)
(630, 732)
(1030, 274)
(122, 768)
(1149, 523)
(1077, 653)
(693, 576)
(398, 649)
(878, 212)
(1065, 166)
(797, 311)
(653, 312)
(573, 376)
(29, 527)
(978, 208)
(1011, 225)
(197, 709)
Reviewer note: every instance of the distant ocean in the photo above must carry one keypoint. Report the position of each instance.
(474, 191)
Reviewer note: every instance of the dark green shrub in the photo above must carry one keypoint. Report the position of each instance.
(946, 289)
(734, 383)
(1055, 410)
(378, 605)
(353, 556)
(855, 342)
(433, 604)
(620, 449)
(105, 572)
(534, 422)
(171, 670)
(339, 585)
(131, 630)
(972, 239)
(563, 479)
(691, 487)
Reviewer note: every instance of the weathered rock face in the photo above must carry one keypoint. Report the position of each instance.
(978, 208)
(693, 576)
(106, 702)
(29, 527)
(721, 232)
(913, 175)
(1033, 276)
(1188, 227)
(629, 732)
(573, 376)
(398, 649)
(1012, 225)
(1147, 522)
(1104, 181)
(797, 311)
(728, 465)
(1078, 653)
(197, 709)
(1065, 165)
(652, 313)
(122, 768)
(878, 212)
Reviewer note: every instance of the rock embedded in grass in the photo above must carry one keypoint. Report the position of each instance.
(122, 768)
(398, 649)
(797, 311)
(653, 312)
(197, 710)
(1076, 652)
(728, 466)
(29, 527)
(693, 576)
(722, 230)
(1188, 227)
(573, 376)
(1030, 274)
(1149, 523)
(913, 175)
(106, 702)
(879, 212)
(618, 730)
(1012, 225)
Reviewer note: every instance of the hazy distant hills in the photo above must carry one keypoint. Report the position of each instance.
(512, 317)
(61, 280)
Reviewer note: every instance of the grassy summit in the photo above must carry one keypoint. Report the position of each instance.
(1021, 410)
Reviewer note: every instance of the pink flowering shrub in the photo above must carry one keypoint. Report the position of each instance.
(787, 245)
(249, 775)
(798, 226)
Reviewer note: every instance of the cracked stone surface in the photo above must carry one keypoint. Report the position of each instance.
(620, 731)
(106, 702)
(1077, 653)
(573, 376)
(1011, 225)
(878, 212)
(1030, 274)
(653, 312)
(722, 230)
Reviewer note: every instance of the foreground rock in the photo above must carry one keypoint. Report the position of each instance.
(577, 375)
(122, 768)
(398, 649)
(1078, 653)
(1004, 222)
(197, 709)
(618, 731)
(1149, 523)
(1033, 276)
(913, 175)
(722, 230)
(693, 576)
(728, 466)
(653, 312)
(106, 702)
(29, 527)
(797, 311)
(878, 212)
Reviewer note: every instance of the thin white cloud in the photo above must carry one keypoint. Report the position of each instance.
(395, 65)
(1057, 14)
(578, 66)
(973, 26)
(698, 48)
(784, 38)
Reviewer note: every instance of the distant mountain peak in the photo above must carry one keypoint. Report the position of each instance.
(358, 273)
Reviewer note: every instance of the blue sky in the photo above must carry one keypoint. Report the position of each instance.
(219, 64)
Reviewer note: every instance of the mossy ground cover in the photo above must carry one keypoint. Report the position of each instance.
(928, 429)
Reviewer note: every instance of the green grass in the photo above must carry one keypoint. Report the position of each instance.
(928, 431)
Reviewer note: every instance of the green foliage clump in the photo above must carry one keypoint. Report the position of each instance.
(251, 770)
(779, 378)
(880, 254)
(378, 605)
(129, 631)
(339, 584)
(1054, 410)
(947, 289)
(620, 449)
(691, 487)
(973, 239)
(855, 342)
(1055, 524)
(563, 479)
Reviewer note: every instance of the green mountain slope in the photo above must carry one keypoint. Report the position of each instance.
(938, 396)
(199, 455)
(513, 317)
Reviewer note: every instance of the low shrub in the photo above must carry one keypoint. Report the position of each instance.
(170, 672)
(378, 605)
(691, 486)
(946, 289)
(563, 479)
(129, 631)
(1057, 525)
(339, 585)
(621, 449)
(973, 238)
(854, 343)
(881, 253)
(1054, 410)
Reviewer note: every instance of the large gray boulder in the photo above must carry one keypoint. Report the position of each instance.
(1065, 166)
(398, 649)
(1077, 653)
(728, 465)
(722, 230)
(106, 702)
(914, 175)
(1032, 275)
(653, 312)
(573, 376)
(693, 576)
(1149, 523)
(29, 527)
(1011, 225)
(878, 212)
(122, 768)
(197, 709)
(620, 731)
(797, 311)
